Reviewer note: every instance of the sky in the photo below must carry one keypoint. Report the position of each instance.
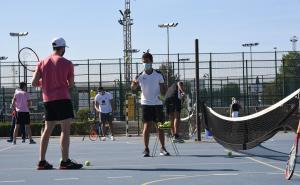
(91, 28)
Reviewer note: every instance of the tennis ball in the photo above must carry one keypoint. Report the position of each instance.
(229, 153)
(87, 163)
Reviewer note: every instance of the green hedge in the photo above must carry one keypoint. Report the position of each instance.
(77, 128)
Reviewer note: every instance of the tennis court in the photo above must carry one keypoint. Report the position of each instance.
(121, 162)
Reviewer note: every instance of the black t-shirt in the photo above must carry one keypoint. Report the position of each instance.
(172, 92)
(235, 107)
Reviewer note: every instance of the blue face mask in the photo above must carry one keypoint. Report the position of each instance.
(147, 66)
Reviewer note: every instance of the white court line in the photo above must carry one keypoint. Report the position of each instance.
(119, 177)
(67, 179)
(6, 148)
(225, 174)
(172, 175)
(270, 165)
(186, 177)
(16, 181)
(206, 175)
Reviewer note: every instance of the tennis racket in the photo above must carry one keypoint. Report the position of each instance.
(28, 58)
(291, 163)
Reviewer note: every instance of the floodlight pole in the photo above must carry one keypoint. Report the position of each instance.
(1, 58)
(168, 26)
(183, 60)
(250, 45)
(18, 35)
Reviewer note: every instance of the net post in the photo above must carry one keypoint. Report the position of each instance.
(126, 117)
(197, 90)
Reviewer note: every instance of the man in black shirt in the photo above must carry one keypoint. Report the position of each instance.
(174, 96)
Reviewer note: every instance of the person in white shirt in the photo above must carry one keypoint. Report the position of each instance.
(103, 102)
(152, 85)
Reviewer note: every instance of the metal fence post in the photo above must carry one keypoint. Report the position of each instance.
(178, 73)
(284, 82)
(210, 80)
(121, 93)
(247, 87)
(89, 88)
(197, 91)
(244, 85)
(100, 74)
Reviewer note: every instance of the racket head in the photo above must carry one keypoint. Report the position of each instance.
(291, 163)
(28, 58)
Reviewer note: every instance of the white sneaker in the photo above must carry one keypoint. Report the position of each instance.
(112, 138)
(164, 152)
(103, 138)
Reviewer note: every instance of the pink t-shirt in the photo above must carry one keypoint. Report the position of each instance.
(56, 71)
(21, 101)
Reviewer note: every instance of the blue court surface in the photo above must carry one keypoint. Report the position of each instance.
(121, 162)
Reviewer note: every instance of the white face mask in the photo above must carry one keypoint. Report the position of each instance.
(147, 66)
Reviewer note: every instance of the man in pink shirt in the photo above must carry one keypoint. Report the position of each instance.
(55, 75)
(20, 103)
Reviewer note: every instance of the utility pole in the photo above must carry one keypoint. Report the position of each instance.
(127, 22)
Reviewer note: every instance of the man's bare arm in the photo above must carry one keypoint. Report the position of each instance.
(35, 79)
(97, 106)
(134, 85)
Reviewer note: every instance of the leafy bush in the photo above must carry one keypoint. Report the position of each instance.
(82, 115)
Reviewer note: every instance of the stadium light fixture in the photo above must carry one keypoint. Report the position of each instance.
(168, 26)
(250, 45)
(18, 35)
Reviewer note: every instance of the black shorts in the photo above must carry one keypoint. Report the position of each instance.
(105, 117)
(154, 113)
(58, 110)
(173, 105)
(23, 118)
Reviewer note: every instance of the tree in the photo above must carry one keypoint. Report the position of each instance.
(231, 90)
(171, 78)
(289, 73)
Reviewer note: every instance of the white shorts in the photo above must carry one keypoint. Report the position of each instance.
(235, 114)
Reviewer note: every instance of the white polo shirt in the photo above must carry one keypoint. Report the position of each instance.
(104, 102)
(150, 87)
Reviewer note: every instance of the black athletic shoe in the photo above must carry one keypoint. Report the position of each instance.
(32, 141)
(44, 165)
(70, 165)
(146, 152)
(9, 140)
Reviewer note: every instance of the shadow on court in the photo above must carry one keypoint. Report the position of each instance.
(264, 152)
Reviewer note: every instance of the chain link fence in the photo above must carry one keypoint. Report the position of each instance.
(256, 79)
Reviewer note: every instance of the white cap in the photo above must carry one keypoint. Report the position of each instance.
(59, 42)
